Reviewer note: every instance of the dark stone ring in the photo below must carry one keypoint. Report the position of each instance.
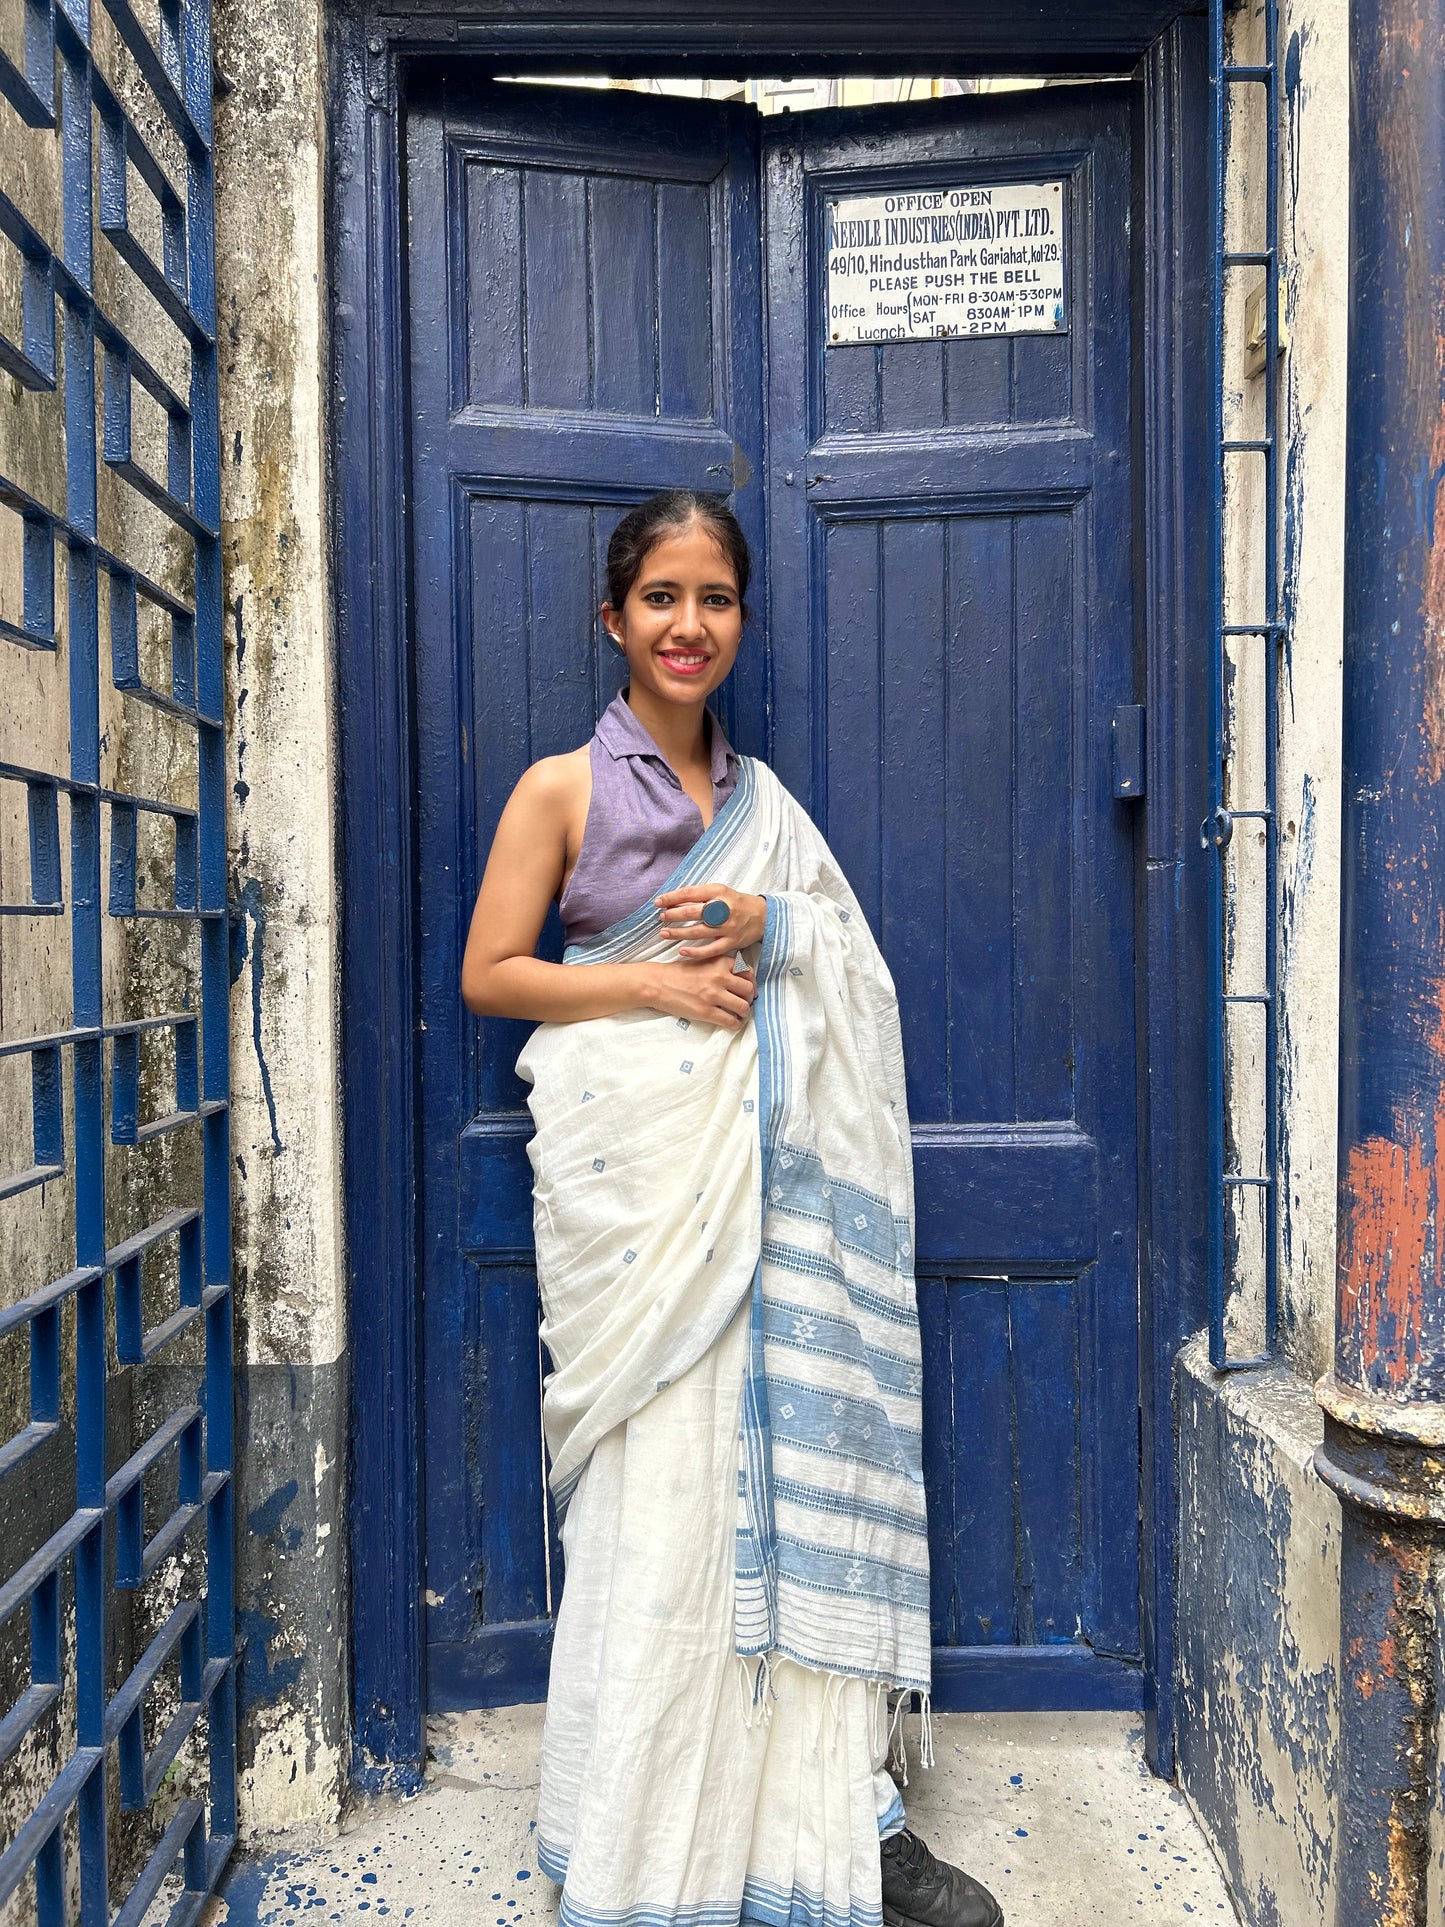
(715, 913)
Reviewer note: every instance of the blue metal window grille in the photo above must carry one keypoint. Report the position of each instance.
(1247, 633)
(117, 1645)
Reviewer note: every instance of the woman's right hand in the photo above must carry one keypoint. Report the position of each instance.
(709, 991)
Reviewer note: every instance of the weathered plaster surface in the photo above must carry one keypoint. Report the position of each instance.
(1259, 1566)
(1314, 141)
(1258, 1640)
(146, 967)
(286, 1133)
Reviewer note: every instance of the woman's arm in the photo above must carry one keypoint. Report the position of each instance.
(500, 975)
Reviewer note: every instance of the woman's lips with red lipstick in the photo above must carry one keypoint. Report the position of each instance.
(685, 662)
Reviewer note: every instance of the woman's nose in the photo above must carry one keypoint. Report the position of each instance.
(687, 619)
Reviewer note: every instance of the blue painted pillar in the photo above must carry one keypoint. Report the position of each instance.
(1384, 1403)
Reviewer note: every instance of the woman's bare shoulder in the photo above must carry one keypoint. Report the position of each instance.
(553, 791)
(556, 779)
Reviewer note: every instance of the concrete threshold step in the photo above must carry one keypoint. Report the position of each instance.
(1056, 1812)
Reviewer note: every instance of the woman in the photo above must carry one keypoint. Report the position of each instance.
(723, 1198)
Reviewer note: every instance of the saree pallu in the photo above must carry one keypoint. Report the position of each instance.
(724, 1249)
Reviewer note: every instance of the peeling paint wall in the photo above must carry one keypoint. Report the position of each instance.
(1314, 139)
(1313, 223)
(36, 1227)
(148, 966)
(1258, 1576)
(286, 1119)
(1259, 1580)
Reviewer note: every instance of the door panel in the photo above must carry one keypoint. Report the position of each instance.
(584, 329)
(950, 563)
(949, 619)
(983, 382)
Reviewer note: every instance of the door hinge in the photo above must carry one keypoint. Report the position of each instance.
(1128, 734)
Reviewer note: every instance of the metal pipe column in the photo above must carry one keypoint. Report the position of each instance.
(1384, 1403)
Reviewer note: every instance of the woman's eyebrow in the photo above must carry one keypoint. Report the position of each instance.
(660, 582)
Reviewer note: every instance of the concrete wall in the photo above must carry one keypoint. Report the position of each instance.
(1313, 146)
(286, 1120)
(1259, 1547)
(37, 1240)
(147, 968)
(1259, 1579)
(286, 1116)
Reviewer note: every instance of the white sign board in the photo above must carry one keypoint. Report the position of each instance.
(947, 261)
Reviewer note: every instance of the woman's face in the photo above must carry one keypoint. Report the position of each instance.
(682, 620)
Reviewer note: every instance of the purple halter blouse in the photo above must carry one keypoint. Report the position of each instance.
(641, 822)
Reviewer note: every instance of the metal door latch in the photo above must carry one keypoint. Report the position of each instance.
(1128, 734)
(739, 470)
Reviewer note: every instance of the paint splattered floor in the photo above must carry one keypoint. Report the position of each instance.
(1056, 1812)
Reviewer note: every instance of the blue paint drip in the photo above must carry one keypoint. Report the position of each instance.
(251, 903)
(262, 1683)
(1296, 101)
(1305, 861)
(1296, 889)
(244, 1888)
(265, 1519)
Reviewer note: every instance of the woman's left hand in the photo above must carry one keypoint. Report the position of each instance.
(682, 912)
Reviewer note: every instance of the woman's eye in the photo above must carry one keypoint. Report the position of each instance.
(659, 598)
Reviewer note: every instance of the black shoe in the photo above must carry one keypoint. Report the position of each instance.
(919, 1891)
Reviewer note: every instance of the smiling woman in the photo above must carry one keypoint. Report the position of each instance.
(603, 827)
(723, 1223)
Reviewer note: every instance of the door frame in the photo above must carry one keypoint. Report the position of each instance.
(369, 52)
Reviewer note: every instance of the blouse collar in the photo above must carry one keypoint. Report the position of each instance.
(621, 733)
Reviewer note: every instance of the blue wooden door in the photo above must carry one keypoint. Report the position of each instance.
(945, 529)
(950, 565)
(584, 307)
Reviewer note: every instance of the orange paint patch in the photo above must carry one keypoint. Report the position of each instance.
(1390, 1219)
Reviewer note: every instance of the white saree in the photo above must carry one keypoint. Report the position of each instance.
(724, 1248)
